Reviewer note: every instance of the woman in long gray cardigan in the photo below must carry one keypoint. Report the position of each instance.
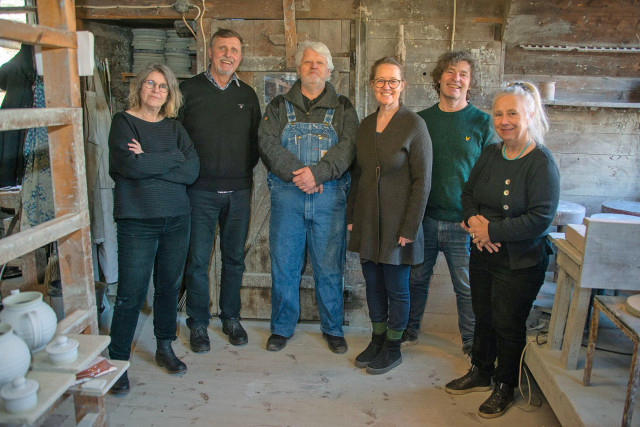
(389, 191)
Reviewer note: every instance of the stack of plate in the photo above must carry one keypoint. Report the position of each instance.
(148, 47)
(177, 53)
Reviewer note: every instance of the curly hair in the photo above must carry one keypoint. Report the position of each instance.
(452, 58)
(174, 96)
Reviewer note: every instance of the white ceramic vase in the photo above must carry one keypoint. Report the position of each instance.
(33, 320)
(14, 355)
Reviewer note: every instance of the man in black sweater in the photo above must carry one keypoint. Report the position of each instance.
(221, 115)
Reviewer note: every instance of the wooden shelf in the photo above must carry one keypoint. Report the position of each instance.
(37, 34)
(593, 104)
(89, 347)
(52, 386)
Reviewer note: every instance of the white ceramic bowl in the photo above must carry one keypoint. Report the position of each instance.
(63, 350)
(20, 395)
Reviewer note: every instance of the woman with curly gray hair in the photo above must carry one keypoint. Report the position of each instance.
(151, 160)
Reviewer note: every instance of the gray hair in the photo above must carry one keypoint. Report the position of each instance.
(319, 48)
(538, 124)
(174, 96)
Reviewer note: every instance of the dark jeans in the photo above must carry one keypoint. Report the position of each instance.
(145, 244)
(502, 299)
(233, 212)
(387, 293)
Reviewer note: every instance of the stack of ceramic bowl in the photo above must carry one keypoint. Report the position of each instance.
(148, 47)
(176, 51)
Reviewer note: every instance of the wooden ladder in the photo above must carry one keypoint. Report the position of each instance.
(56, 35)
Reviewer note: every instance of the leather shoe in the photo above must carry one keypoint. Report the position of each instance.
(121, 387)
(235, 331)
(199, 339)
(336, 344)
(276, 342)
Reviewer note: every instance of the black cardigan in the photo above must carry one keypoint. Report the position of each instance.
(518, 197)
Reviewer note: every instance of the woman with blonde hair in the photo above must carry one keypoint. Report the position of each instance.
(151, 160)
(508, 204)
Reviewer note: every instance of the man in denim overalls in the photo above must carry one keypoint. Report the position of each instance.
(307, 141)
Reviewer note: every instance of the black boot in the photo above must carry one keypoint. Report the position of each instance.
(121, 387)
(388, 358)
(500, 400)
(166, 358)
(372, 350)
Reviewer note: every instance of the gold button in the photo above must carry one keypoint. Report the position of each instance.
(505, 207)
(506, 192)
(508, 181)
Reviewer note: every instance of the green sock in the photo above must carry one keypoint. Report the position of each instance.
(393, 334)
(379, 328)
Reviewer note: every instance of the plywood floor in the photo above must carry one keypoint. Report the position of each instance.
(303, 385)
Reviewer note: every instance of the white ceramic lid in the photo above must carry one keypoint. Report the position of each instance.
(19, 388)
(62, 345)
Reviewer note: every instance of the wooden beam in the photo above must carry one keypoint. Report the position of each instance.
(216, 9)
(487, 20)
(18, 244)
(24, 118)
(290, 38)
(37, 34)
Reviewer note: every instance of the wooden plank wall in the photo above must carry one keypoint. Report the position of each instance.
(427, 27)
(596, 148)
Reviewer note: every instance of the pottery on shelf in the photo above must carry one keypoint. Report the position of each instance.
(32, 320)
(63, 350)
(14, 355)
(20, 395)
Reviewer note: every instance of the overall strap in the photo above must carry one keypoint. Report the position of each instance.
(291, 115)
(328, 117)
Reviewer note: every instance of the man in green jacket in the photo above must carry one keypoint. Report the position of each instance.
(459, 131)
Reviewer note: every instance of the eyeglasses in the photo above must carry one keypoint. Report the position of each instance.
(393, 83)
(150, 84)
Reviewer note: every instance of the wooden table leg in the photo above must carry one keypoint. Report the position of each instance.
(560, 310)
(90, 404)
(575, 327)
(591, 347)
(633, 387)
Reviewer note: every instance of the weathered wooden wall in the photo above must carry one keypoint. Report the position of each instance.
(596, 148)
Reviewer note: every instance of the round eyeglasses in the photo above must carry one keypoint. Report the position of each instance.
(163, 87)
(393, 83)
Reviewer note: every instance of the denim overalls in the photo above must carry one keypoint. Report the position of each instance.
(315, 221)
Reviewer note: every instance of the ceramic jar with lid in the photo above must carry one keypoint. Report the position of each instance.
(33, 320)
(63, 350)
(14, 355)
(20, 395)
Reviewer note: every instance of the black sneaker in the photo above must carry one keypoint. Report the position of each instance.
(409, 337)
(500, 400)
(235, 331)
(474, 380)
(199, 339)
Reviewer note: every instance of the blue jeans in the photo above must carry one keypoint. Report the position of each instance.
(319, 222)
(232, 211)
(502, 300)
(145, 244)
(387, 293)
(449, 238)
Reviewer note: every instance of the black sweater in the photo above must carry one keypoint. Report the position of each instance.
(519, 198)
(223, 125)
(152, 184)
